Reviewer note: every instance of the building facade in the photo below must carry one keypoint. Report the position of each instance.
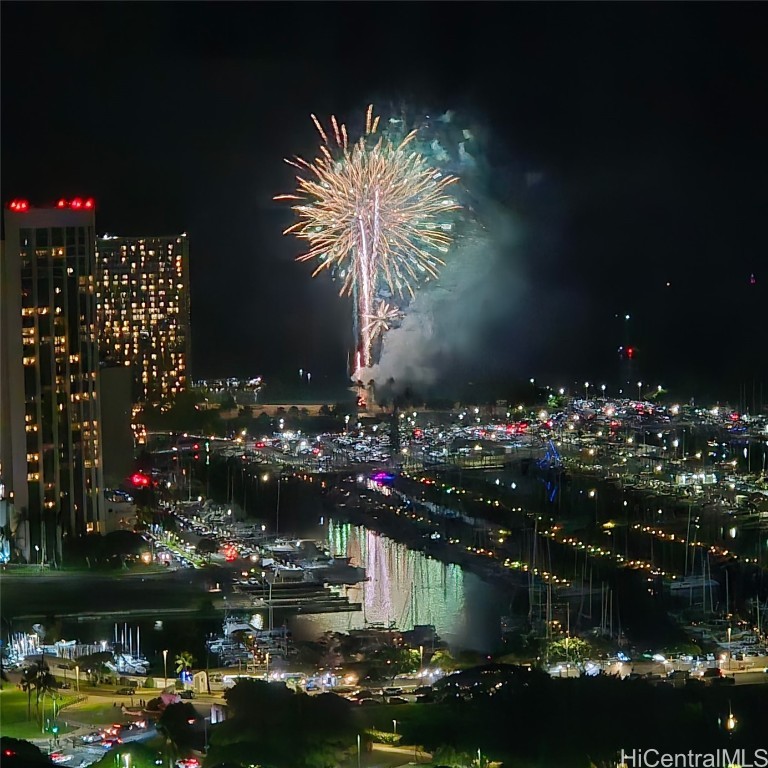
(50, 442)
(142, 297)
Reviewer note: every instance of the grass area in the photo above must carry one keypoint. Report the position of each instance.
(97, 711)
(141, 569)
(13, 715)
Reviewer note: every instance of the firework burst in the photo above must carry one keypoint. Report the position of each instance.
(376, 213)
(381, 320)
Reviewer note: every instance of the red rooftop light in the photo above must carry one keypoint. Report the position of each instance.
(62, 203)
(76, 203)
(19, 205)
(89, 203)
(139, 480)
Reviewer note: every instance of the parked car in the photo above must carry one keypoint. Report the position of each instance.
(397, 700)
(189, 694)
(679, 677)
(364, 694)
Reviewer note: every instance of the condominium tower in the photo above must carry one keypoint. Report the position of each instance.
(50, 441)
(142, 298)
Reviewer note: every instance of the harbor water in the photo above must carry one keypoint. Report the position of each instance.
(405, 588)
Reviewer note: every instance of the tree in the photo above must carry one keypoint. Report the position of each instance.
(95, 665)
(570, 649)
(28, 684)
(228, 402)
(206, 547)
(46, 686)
(280, 728)
(17, 753)
(37, 678)
(394, 661)
(177, 724)
(442, 659)
(184, 661)
(122, 545)
(453, 758)
(256, 700)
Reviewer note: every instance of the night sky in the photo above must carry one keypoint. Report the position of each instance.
(626, 144)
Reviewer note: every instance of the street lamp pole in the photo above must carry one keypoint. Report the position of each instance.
(165, 668)
(358, 750)
(277, 509)
(639, 386)
(271, 614)
(394, 726)
(77, 675)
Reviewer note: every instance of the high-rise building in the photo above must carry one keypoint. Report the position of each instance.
(142, 297)
(50, 438)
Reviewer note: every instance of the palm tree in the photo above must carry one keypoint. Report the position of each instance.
(37, 677)
(46, 685)
(28, 683)
(184, 661)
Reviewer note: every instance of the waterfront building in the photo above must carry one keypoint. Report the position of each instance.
(142, 297)
(50, 442)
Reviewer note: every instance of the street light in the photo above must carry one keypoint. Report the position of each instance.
(77, 675)
(165, 668)
(394, 726)
(586, 390)
(602, 386)
(37, 555)
(358, 750)
(639, 385)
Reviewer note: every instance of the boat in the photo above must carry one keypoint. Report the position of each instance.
(333, 570)
(692, 584)
(232, 625)
(282, 547)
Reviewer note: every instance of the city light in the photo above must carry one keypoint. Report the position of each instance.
(140, 480)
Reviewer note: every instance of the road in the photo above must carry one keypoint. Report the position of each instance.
(386, 756)
(751, 678)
